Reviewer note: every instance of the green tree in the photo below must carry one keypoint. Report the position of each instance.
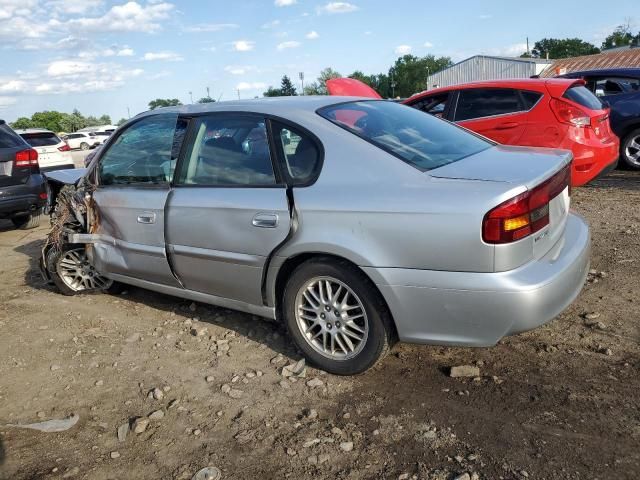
(287, 88)
(319, 87)
(164, 102)
(206, 100)
(621, 37)
(272, 92)
(22, 122)
(122, 121)
(105, 120)
(409, 73)
(563, 48)
(49, 119)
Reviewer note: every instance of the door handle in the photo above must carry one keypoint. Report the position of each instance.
(507, 125)
(147, 218)
(265, 220)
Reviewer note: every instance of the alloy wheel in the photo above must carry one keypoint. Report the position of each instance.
(632, 151)
(331, 318)
(78, 274)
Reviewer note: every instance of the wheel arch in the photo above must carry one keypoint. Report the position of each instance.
(278, 279)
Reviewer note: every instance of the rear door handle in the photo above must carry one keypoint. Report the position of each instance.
(147, 218)
(507, 125)
(265, 220)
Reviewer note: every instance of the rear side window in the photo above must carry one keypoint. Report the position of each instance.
(299, 152)
(144, 153)
(44, 139)
(420, 140)
(530, 99)
(582, 96)
(8, 138)
(486, 102)
(229, 150)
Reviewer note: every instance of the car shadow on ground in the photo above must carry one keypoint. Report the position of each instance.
(618, 179)
(256, 328)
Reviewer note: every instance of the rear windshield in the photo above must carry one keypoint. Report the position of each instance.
(44, 139)
(582, 96)
(417, 138)
(8, 138)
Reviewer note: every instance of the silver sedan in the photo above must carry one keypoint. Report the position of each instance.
(355, 222)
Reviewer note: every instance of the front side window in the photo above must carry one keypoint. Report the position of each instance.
(422, 141)
(299, 151)
(228, 150)
(486, 102)
(435, 105)
(145, 153)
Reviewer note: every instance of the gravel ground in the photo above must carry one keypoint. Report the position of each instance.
(187, 386)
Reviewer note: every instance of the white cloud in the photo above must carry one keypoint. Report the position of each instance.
(271, 24)
(284, 3)
(312, 35)
(210, 27)
(337, 7)
(403, 50)
(428, 45)
(125, 52)
(166, 56)
(162, 74)
(12, 86)
(514, 50)
(18, 8)
(243, 45)
(68, 68)
(129, 17)
(251, 86)
(290, 44)
(239, 69)
(74, 6)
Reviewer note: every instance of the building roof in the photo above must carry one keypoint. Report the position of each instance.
(610, 59)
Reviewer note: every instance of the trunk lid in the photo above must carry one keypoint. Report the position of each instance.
(502, 163)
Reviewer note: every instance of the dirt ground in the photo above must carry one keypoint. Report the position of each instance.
(561, 402)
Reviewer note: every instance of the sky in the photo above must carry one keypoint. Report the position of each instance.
(113, 57)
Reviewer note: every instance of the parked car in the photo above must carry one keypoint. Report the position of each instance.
(81, 140)
(22, 187)
(103, 133)
(53, 153)
(620, 88)
(373, 223)
(527, 112)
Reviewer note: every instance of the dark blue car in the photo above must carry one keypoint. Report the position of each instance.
(620, 87)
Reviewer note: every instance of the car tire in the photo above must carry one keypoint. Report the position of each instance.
(59, 265)
(367, 316)
(27, 222)
(84, 146)
(630, 150)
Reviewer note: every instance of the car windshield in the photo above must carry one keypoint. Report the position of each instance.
(43, 139)
(582, 96)
(417, 138)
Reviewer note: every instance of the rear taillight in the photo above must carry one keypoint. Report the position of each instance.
(526, 213)
(26, 158)
(64, 148)
(565, 112)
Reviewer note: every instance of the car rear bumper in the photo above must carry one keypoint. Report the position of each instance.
(478, 309)
(22, 199)
(591, 159)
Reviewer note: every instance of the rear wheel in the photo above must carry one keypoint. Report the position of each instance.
(27, 222)
(630, 149)
(72, 272)
(84, 146)
(337, 317)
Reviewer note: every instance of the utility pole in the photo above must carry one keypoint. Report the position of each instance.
(528, 54)
(128, 113)
(208, 95)
(301, 75)
(191, 96)
(238, 94)
(393, 86)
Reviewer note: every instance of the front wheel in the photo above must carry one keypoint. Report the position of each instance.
(337, 317)
(72, 272)
(630, 150)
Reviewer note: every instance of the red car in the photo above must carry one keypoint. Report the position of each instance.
(555, 113)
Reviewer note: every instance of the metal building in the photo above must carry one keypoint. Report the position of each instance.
(486, 67)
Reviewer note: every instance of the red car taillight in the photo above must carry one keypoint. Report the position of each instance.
(568, 113)
(526, 213)
(26, 158)
(64, 148)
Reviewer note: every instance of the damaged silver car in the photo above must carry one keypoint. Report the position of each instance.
(355, 222)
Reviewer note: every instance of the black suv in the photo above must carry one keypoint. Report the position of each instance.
(22, 187)
(620, 88)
